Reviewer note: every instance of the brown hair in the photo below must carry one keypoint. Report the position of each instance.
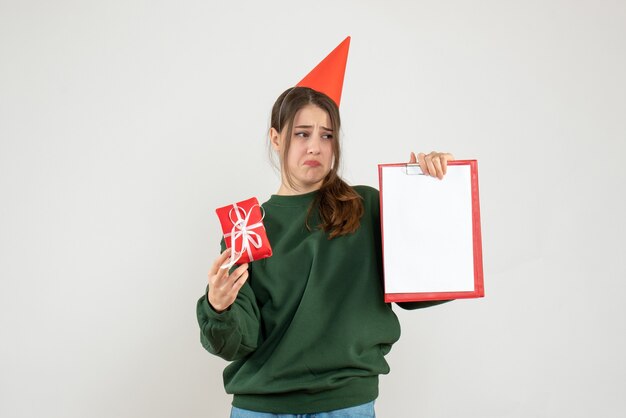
(340, 206)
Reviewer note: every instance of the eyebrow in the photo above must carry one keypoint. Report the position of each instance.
(311, 126)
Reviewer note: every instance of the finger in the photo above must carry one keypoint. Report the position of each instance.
(215, 268)
(223, 292)
(235, 281)
(231, 294)
(431, 167)
(237, 273)
(412, 159)
(240, 282)
(421, 157)
(437, 163)
(444, 164)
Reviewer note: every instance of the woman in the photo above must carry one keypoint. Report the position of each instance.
(307, 329)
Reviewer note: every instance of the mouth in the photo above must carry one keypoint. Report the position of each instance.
(312, 163)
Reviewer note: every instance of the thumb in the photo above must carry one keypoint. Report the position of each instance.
(413, 159)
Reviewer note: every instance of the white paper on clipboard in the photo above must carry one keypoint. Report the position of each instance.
(428, 227)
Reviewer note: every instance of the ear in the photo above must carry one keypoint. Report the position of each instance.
(275, 139)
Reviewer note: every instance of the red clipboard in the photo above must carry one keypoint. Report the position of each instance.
(432, 247)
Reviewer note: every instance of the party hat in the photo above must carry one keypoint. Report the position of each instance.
(327, 76)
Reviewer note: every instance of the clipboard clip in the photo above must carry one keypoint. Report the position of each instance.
(412, 169)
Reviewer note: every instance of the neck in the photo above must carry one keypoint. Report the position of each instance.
(286, 189)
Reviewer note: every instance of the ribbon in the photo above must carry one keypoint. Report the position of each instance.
(242, 230)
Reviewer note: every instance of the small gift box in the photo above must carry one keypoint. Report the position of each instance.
(244, 233)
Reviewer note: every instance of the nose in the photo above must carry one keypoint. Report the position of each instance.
(314, 144)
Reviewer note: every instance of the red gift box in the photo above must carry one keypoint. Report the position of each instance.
(244, 232)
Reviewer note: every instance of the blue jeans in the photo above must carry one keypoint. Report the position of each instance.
(361, 411)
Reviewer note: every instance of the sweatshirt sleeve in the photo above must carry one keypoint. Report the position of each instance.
(234, 333)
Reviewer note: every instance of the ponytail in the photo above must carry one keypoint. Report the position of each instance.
(339, 206)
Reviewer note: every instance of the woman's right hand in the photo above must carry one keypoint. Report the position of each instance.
(224, 287)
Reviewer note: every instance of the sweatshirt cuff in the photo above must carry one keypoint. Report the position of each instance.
(208, 310)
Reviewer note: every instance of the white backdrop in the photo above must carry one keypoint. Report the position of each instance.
(124, 124)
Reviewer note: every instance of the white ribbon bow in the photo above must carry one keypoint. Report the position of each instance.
(243, 230)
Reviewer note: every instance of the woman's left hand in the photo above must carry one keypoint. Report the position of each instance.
(434, 164)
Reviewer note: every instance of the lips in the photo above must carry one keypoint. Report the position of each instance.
(312, 163)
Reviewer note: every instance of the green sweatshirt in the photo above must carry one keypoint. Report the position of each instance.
(310, 329)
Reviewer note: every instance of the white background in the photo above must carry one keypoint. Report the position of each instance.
(124, 124)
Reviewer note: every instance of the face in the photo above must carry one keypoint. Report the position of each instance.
(310, 155)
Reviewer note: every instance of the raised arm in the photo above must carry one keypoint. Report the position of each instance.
(227, 313)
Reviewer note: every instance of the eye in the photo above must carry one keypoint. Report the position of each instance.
(327, 136)
(302, 134)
